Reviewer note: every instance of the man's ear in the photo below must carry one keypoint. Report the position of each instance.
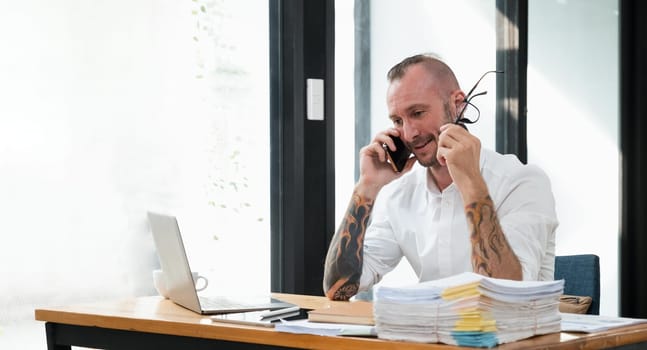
(457, 101)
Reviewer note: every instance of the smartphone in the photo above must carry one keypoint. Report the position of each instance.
(399, 157)
(258, 318)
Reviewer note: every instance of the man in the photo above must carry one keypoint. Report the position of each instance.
(462, 208)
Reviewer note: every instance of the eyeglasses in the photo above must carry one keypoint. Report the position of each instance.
(461, 120)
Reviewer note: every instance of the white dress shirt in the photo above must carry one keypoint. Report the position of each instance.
(411, 218)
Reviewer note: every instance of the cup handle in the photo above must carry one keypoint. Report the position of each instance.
(197, 282)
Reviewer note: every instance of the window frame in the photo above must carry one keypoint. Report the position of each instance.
(302, 151)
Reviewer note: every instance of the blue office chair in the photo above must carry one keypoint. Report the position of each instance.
(581, 274)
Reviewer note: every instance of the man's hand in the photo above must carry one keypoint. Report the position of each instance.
(374, 171)
(460, 151)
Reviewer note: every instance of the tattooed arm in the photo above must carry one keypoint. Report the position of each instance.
(343, 267)
(491, 253)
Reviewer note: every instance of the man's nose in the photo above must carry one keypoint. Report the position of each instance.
(409, 131)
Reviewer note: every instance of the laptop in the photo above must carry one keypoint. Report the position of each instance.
(180, 284)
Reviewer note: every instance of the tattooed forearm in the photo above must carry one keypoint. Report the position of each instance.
(491, 253)
(344, 260)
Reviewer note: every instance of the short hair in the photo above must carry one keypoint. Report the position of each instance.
(431, 62)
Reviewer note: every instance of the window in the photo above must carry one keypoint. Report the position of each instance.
(573, 95)
(112, 109)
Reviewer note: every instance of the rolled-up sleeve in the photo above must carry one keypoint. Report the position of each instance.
(528, 220)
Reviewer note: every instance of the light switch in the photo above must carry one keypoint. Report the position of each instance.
(315, 99)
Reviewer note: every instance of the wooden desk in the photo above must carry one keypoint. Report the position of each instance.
(156, 323)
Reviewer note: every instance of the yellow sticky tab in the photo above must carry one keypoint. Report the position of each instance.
(462, 291)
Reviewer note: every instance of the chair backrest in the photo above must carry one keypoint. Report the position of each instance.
(581, 275)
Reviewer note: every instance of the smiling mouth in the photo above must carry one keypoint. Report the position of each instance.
(418, 146)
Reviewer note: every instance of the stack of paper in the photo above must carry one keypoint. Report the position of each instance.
(468, 310)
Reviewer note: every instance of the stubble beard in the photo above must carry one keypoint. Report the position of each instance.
(433, 161)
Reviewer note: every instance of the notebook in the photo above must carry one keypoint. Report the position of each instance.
(180, 284)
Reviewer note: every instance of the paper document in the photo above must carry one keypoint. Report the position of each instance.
(468, 310)
(320, 328)
(595, 323)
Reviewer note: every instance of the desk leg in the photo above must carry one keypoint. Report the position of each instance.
(50, 331)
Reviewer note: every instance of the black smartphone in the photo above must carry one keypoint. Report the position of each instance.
(399, 157)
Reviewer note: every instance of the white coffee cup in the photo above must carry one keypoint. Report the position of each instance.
(159, 281)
